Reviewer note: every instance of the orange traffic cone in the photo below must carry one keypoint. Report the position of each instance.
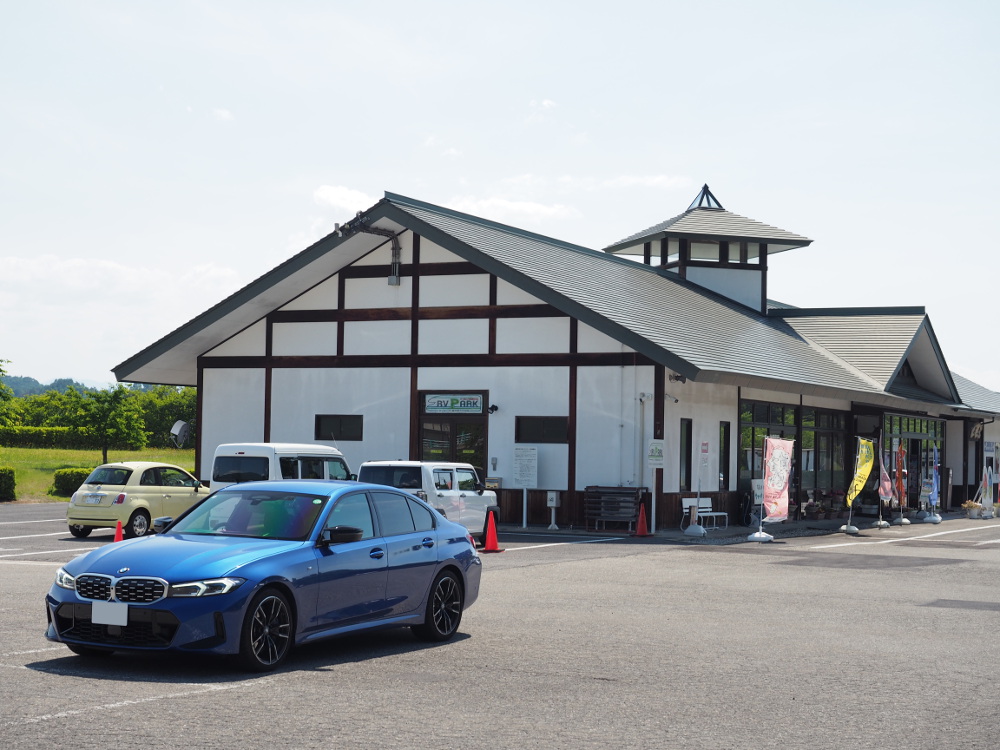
(491, 535)
(118, 532)
(640, 527)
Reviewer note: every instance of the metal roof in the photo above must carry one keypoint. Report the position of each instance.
(692, 331)
(707, 219)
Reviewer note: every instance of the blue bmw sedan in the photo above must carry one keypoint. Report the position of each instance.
(257, 568)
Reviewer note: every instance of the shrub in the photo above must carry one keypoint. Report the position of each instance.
(7, 484)
(47, 437)
(68, 481)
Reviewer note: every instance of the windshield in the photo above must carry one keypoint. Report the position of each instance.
(262, 514)
(235, 469)
(109, 475)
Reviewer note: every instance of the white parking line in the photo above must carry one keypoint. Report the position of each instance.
(18, 523)
(125, 703)
(560, 544)
(43, 552)
(30, 536)
(899, 539)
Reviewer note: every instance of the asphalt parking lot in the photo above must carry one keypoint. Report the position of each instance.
(887, 639)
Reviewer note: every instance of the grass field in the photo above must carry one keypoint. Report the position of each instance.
(34, 467)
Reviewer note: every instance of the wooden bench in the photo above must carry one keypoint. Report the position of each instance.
(604, 505)
(705, 513)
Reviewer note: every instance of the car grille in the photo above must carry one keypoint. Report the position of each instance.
(128, 590)
(147, 628)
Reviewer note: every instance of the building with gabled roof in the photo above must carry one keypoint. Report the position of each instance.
(579, 358)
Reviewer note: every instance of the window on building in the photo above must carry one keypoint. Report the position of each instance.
(724, 454)
(339, 427)
(758, 420)
(686, 450)
(541, 429)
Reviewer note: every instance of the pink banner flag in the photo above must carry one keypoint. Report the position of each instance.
(884, 481)
(777, 470)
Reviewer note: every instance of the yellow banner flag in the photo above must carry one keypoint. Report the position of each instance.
(862, 468)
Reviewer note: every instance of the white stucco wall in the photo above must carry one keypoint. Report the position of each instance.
(323, 296)
(362, 294)
(457, 290)
(453, 337)
(610, 449)
(232, 411)
(381, 395)
(532, 335)
(304, 339)
(377, 337)
(508, 294)
(249, 342)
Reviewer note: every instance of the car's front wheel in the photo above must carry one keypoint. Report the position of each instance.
(79, 531)
(444, 609)
(138, 524)
(266, 638)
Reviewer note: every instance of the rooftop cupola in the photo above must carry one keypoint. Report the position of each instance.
(714, 248)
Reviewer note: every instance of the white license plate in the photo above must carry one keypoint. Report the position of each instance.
(109, 613)
(93, 499)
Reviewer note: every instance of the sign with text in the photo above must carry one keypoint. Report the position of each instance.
(654, 455)
(525, 467)
(453, 403)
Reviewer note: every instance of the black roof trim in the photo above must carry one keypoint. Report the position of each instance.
(841, 312)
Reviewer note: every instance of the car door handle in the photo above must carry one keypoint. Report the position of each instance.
(376, 554)
(428, 542)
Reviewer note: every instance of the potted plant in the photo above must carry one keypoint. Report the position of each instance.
(973, 508)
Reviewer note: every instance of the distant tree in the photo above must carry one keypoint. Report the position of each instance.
(7, 406)
(49, 409)
(113, 417)
(162, 406)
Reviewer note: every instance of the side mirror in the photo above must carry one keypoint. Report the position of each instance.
(354, 477)
(480, 488)
(340, 535)
(161, 523)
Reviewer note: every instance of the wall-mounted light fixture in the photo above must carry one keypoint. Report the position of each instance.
(676, 378)
(493, 409)
(669, 396)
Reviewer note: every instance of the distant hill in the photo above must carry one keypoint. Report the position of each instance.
(24, 386)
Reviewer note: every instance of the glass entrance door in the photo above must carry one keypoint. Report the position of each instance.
(461, 439)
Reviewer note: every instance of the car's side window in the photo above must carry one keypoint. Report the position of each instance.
(311, 468)
(289, 468)
(149, 478)
(353, 510)
(442, 479)
(172, 478)
(466, 480)
(423, 519)
(393, 513)
(337, 469)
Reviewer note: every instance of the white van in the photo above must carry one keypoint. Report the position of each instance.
(247, 462)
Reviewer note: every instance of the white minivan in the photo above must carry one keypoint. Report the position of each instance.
(249, 462)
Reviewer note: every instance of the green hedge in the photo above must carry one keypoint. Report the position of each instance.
(49, 437)
(68, 481)
(7, 483)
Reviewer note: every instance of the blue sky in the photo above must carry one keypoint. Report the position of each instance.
(159, 156)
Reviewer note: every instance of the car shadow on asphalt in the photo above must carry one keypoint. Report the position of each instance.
(187, 668)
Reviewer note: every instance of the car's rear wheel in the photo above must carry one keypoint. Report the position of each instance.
(87, 650)
(266, 638)
(138, 524)
(79, 531)
(444, 609)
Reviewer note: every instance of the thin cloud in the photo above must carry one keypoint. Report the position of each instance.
(503, 209)
(343, 198)
(221, 114)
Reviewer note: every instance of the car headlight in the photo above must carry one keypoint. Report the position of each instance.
(209, 587)
(64, 580)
